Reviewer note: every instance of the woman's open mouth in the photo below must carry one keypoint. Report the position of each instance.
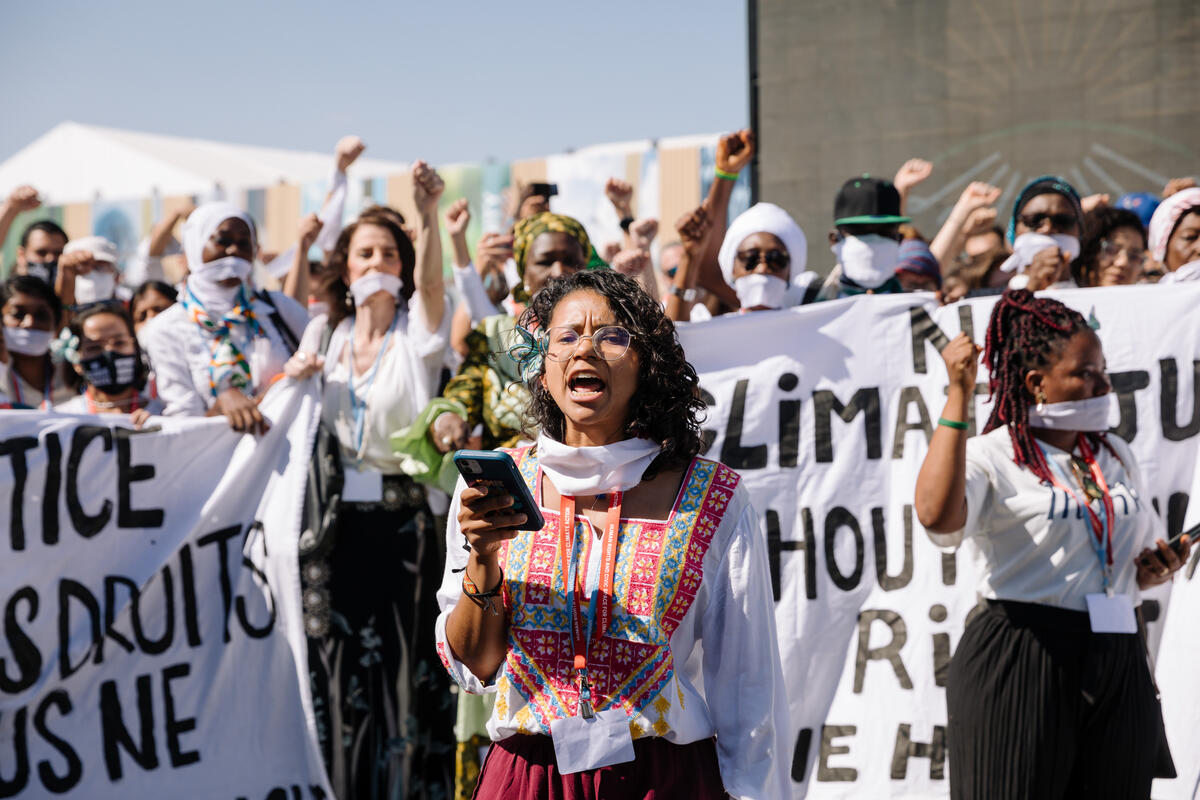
(585, 385)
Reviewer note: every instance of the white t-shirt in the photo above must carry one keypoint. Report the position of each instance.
(404, 385)
(180, 351)
(1032, 542)
(19, 391)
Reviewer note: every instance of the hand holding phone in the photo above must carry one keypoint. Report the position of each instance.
(1169, 556)
(496, 503)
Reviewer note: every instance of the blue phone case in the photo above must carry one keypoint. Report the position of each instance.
(496, 469)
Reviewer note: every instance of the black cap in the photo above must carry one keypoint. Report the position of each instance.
(867, 201)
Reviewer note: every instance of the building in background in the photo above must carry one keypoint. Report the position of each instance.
(1106, 94)
(119, 183)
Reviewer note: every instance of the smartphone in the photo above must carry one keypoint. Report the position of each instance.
(546, 190)
(496, 470)
(1175, 543)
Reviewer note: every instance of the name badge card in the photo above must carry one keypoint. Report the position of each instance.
(364, 486)
(601, 741)
(1111, 614)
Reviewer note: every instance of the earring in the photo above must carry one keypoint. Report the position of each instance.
(1041, 400)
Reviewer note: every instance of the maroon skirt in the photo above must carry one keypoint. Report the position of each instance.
(522, 767)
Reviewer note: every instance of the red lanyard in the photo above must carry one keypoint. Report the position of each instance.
(91, 403)
(1098, 528)
(603, 597)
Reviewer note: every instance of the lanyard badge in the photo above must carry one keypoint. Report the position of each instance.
(1095, 487)
(601, 601)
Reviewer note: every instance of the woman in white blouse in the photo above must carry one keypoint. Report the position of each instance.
(667, 559)
(385, 715)
(1049, 693)
(218, 349)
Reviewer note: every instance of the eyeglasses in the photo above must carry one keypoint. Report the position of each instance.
(1060, 222)
(609, 342)
(776, 260)
(1112, 250)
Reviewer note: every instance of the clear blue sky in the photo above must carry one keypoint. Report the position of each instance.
(445, 81)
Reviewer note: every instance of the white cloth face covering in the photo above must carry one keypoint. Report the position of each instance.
(373, 283)
(868, 260)
(757, 290)
(1027, 245)
(577, 471)
(94, 286)
(27, 341)
(1092, 415)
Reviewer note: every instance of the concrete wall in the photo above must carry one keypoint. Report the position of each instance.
(1103, 92)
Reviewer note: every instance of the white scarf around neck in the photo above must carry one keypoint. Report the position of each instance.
(583, 471)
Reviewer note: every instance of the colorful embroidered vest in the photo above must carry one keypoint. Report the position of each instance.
(660, 566)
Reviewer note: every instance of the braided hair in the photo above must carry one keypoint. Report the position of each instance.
(1024, 333)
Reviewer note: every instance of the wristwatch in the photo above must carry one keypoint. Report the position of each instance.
(688, 295)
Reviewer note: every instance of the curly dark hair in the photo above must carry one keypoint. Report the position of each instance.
(341, 303)
(1099, 223)
(1025, 333)
(666, 407)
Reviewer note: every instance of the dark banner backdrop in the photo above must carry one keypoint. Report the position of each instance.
(1103, 92)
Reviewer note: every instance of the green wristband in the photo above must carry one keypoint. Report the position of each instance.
(950, 423)
(728, 176)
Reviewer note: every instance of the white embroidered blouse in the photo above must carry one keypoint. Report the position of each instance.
(691, 651)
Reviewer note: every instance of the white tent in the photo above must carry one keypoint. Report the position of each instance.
(74, 163)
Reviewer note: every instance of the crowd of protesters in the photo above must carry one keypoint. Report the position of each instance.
(414, 364)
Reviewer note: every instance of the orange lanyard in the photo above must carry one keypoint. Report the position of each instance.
(601, 601)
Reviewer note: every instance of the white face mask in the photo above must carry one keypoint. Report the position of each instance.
(1029, 244)
(584, 471)
(1093, 415)
(96, 285)
(374, 282)
(868, 260)
(1188, 272)
(204, 282)
(757, 289)
(27, 341)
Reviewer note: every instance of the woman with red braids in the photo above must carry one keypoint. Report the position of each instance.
(1049, 694)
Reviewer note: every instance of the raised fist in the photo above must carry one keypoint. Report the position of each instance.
(620, 194)
(913, 172)
(427, 187)
(457, 217)
(734, 150)
(347, 150)
(693, 227)
(24, 198)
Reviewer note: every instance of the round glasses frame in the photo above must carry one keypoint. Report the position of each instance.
(609, 343)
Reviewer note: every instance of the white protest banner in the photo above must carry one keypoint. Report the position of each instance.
(150, 596)
(826, 412)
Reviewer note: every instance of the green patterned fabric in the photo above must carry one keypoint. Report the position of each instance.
(487, 391)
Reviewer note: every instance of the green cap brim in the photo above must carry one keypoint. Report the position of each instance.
(884, 219)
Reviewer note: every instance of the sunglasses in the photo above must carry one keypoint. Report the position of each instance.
(1057, 221)
(776, 260)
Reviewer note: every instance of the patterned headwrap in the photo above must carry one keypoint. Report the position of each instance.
(1047, 184)
(530, 228)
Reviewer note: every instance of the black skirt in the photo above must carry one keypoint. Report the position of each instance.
(384, 712)
(1041, 707)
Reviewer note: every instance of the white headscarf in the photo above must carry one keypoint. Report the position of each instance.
(764, 218)
(1166, 217)
(203, 223)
